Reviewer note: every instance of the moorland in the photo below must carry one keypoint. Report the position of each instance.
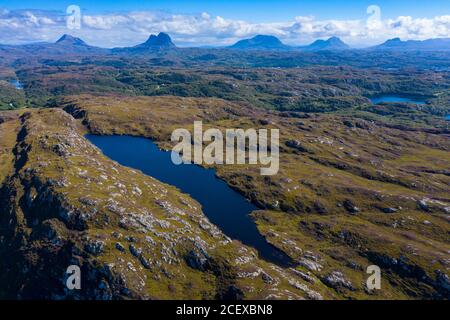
(359, 183)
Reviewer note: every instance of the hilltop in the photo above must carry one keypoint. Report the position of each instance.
(69, 40)
(159, 42)
(333, 43)
(260, 42)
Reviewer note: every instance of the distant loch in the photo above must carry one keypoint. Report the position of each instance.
(16, 84)
(396, 99)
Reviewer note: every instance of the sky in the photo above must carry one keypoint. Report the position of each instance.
(109, 23)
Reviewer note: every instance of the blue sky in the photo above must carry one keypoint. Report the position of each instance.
(110, 23)
(251, 10)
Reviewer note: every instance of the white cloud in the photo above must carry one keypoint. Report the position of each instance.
(123, 29)
(104, 22)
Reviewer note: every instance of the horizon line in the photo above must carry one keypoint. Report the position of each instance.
(218, 46)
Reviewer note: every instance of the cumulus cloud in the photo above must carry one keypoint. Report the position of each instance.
(124, 29)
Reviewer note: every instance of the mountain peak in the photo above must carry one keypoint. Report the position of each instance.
(162, 40)
(68, 39)
(264, 37)
(260, 41)
(393, 41)
(333, 43)
(334, 40)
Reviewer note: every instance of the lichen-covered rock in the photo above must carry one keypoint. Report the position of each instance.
(336, 280)
(95, 247)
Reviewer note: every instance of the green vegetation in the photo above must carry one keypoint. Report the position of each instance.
(359, 183)
(309, 90)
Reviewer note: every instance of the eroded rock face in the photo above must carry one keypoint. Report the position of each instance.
(197, 260)
(79, 208)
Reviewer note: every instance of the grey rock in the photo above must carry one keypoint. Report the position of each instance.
(266, 278)
(130, 239)
(95, 247)
(423, 204)
(196, 260)
(310, 264)
(297, 145)
(443, 280)
(303, 275)
(135, 252)
(120, 247)
(144, 262)
(389, 210)
(350, 207)
(336, 280)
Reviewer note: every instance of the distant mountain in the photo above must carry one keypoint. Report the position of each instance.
(260, 42)
(429, 45)
(66, 45)
(154, 43)
(72, 45)
(332, 44)
(70, 41)
(161, 40)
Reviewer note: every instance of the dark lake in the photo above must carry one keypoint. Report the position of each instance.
(223, 206)
(394, 98)
(17, 84)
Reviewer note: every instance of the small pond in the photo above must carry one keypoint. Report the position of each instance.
(396, 98)
(16, 84)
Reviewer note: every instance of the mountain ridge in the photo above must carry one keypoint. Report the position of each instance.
(163, 41)
(260, 41)
(159, 42)
(333, 43)
(428, 44)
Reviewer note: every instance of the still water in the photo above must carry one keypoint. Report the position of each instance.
(393, 98)
(224, 207)
(17, 84)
